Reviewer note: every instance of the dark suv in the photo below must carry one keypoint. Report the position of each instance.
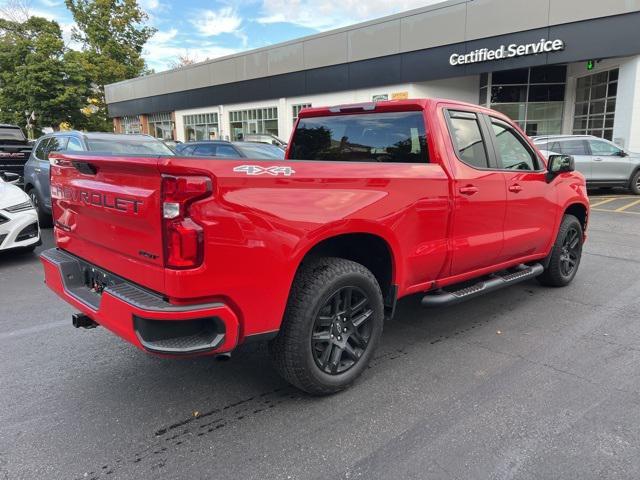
(36, 170)
(14, 150)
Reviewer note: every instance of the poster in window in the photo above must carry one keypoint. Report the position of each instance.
(380, 97)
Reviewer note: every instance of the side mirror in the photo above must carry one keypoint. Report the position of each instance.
(622, 153)
(9, 177)
(559, 164)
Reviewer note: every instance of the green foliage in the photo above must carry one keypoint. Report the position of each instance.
(37, 74)
(113, 34)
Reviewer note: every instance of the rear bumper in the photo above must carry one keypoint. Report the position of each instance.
(139, 316)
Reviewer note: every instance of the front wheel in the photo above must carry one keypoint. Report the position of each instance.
(564, 259)
(44, 219)
(634, 186)
(331, 326)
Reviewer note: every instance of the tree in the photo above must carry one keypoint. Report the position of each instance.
(38, 74)
(182, 61)
(113, 34)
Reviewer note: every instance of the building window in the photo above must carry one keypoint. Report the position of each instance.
(596, 104)
(532, 97)
(201, 126)
(160, 126)
(257, 120)
(295, 110)
(131, 124)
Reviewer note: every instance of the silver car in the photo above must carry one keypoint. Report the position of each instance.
(602, 162)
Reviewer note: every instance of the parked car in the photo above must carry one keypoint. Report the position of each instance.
(172, 144)
(602, 162)
(224, 149)
(14, 150)
(18, 218)
(312, 252)
(265, 138)
(36, 171)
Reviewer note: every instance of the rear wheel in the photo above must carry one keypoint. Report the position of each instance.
(331, 327)
(564, 259)
(44, 219)
(635, 183)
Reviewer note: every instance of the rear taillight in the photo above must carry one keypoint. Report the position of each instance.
(183, 236)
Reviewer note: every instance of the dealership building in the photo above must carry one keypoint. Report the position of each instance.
(554, 66)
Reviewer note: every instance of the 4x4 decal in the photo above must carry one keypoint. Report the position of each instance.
(258, 170)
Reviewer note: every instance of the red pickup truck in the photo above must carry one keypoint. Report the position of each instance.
(191, 256)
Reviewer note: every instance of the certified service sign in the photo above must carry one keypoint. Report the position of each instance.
(507, 51)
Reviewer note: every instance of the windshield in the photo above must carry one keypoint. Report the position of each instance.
(11, 133)
(129, 146)
(260, 150)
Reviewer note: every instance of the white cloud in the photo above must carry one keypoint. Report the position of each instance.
(51, 3)
(149, 4)
(210, 23)
(332, 13)
(165, 47)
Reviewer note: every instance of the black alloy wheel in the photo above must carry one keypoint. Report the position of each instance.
(342, 330)
(331, 326)
(570, 253)
(564, 259)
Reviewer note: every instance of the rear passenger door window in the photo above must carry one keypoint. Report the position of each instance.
(226, 151)
(205, 150)
(467, 138)
(572, 147)
(56, 144)
(41, 149)
(513, 152)
(74, 145)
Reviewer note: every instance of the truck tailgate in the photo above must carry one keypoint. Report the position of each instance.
(106, 210)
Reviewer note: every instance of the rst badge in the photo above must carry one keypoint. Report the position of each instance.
(258, 170)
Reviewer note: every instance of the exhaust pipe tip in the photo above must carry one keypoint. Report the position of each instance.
(80, 320)
(223, 357)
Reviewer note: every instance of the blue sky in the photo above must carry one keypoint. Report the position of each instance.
(203, 29)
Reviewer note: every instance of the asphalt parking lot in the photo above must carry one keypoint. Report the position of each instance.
(527, 383)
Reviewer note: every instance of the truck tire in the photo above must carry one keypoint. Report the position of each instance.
(634, 185)
(331, 326)
(564, 259)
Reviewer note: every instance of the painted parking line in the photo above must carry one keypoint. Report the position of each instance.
(629, 205)
(603, 202)
(623, 204)
(613, 211)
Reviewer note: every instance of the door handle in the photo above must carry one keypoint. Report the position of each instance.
(597, 159)
(515, 188)
(468, 190)
(37, 170)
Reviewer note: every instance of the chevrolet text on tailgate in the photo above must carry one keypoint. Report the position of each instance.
(373, 202)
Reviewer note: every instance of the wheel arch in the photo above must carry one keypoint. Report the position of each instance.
(368, 249)
(580, 211)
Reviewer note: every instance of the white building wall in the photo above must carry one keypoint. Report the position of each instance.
(627, 120)
(461, 88)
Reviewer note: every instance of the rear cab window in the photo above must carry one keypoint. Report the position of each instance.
(396, 137)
